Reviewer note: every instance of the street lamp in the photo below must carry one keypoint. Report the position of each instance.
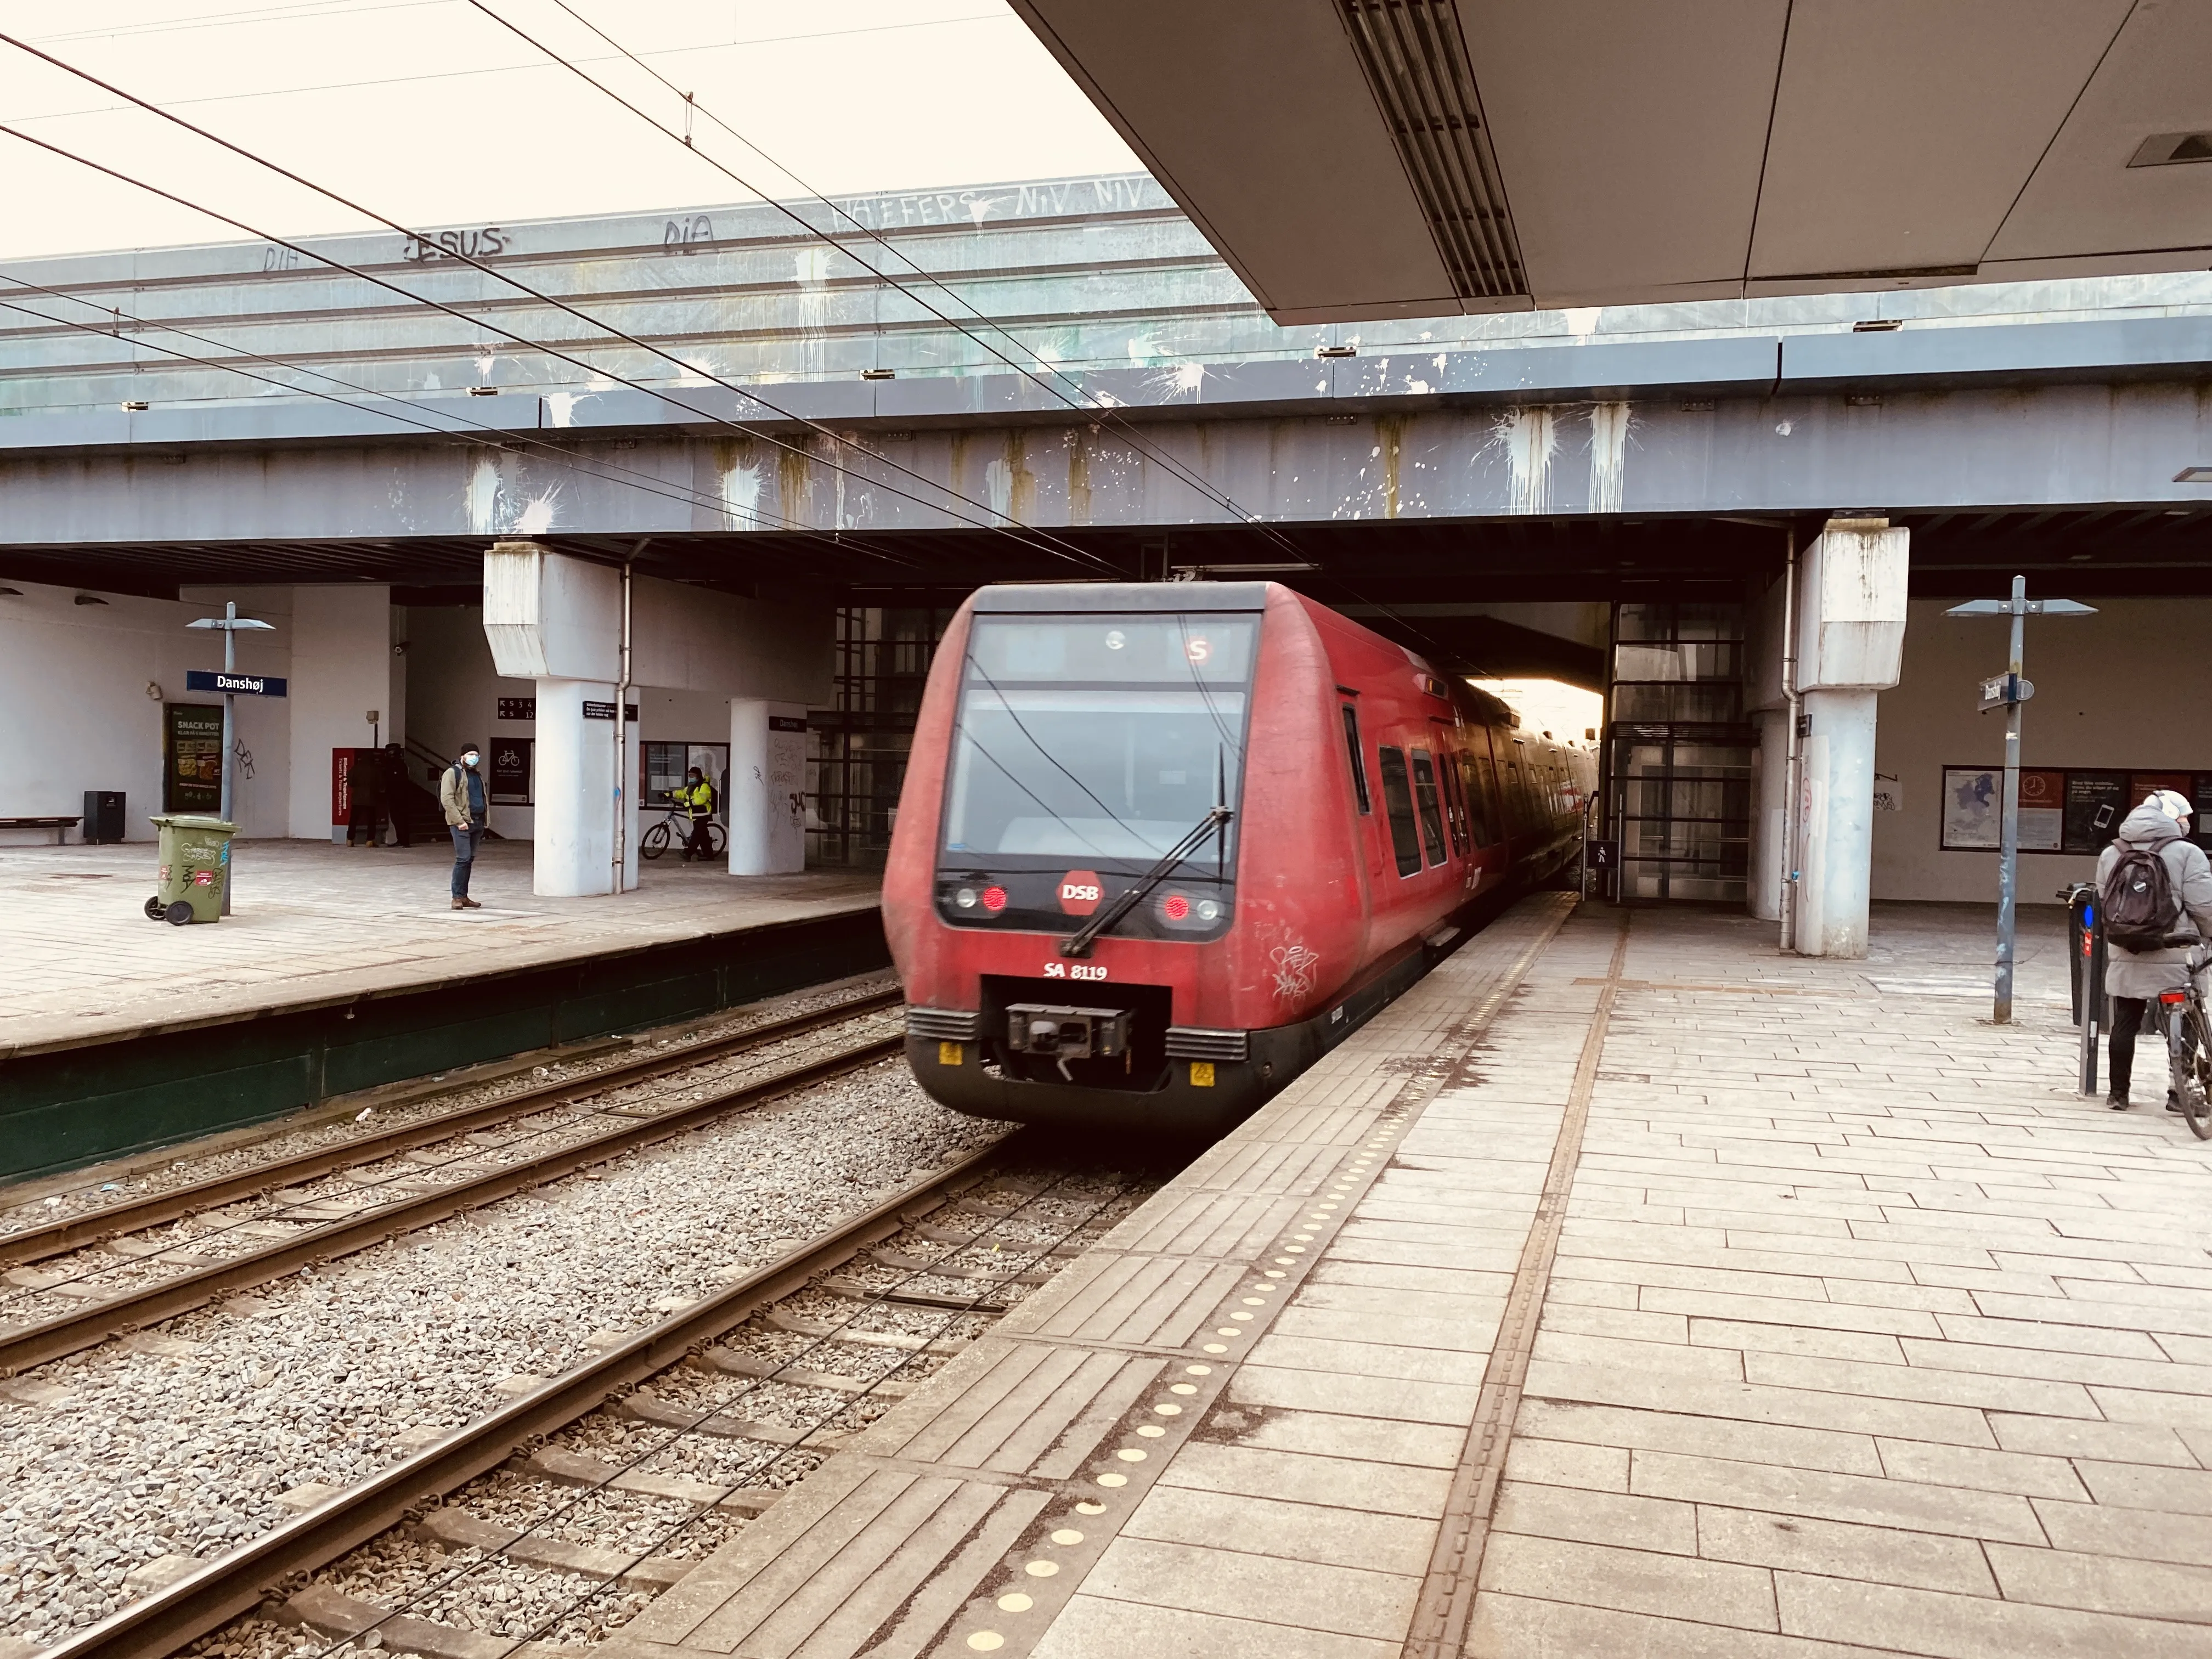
(230, 622)
(2009, 691)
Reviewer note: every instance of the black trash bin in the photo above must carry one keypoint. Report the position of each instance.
(103, 816)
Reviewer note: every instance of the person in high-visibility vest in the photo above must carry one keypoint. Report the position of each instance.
(696, 797)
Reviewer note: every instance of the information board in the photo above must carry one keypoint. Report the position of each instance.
(2061, 809)
(192, 771)
(509, 783)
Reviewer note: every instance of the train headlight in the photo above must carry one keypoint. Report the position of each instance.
(994, 899)
(965, 898)
(1208, 910)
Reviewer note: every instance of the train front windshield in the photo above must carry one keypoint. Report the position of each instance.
(1098, 741)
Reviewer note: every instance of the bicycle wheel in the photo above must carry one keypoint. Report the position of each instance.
(654, 842)
(717, 843)
(2193, 1072)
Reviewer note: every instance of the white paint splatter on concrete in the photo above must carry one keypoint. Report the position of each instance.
(536, 515)
(561, 406)
(1183, 381)
(999, 486)
(741, 489)
(1608, 456)
(1528, 438)
(1781, 428)
(483, 494)
(1581, 321)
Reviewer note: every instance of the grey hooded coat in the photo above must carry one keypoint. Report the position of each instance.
(2145, 973)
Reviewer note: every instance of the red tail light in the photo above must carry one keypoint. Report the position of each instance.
(994, 898)
(2174, 996)
(1174, 906)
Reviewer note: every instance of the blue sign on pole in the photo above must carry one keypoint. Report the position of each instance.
(243, 685)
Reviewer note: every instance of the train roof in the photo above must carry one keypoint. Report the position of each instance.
(1122, 596)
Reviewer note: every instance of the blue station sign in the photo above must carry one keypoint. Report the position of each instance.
(243, 685)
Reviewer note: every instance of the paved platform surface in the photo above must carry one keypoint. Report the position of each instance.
(1702, 1301)
(314, 923)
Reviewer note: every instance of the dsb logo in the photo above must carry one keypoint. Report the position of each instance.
(1080, 891)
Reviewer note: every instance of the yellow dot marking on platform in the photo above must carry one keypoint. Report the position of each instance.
(1213, 1347)
(1015, 1601)
(1272, 1273)
(1288, 1261)
(1068, 1536)
(1086, 1507)
(1295, 1249)
(1041, 1569)
(1255, 1301)
(1151, 1431)
(1130, 1455)
(1240, 1315)
(986, 1641)
(1113, 1479)
(1168, 1408)
(1228, 1330)
(1197, 1371)
(1183, 1388)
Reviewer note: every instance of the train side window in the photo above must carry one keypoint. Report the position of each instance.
(1359, 762)
(1398, 807)
(1424, 790)
(1482, 798)
(1455, 802)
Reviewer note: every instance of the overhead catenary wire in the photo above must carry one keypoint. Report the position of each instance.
(1028, 536)
(1100, 412)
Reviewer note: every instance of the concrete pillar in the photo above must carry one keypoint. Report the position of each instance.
(1769, 813)
(1836, 854)
(1850, 642)
(574, 846)
(766, 801)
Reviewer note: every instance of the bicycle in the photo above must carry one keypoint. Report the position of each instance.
(674, 829)
(2189, 1047)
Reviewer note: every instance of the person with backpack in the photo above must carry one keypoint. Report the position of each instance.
(2154, 890)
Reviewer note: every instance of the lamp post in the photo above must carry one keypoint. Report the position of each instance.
(230, 622)
(2009, 690)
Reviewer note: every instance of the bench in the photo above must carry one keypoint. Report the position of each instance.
(61, 827)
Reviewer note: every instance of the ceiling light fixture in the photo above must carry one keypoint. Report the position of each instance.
(2165, 149)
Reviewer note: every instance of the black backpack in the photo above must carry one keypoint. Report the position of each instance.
(2140, 908)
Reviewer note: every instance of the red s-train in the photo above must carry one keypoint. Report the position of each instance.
(1161, 846)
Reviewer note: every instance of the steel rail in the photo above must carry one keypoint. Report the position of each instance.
(34, 1344)
(134, 1215)
(234, 1583)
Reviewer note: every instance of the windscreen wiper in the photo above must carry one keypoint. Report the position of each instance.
(1078, 943)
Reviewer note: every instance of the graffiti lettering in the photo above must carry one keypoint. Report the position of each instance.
(682, 235)
(423, 246)
(1294, 970)
(281, 259)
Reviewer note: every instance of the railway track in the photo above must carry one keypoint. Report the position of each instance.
(753, 1384)
(174, 1276)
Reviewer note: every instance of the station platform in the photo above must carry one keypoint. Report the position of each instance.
(1626, 1289)
(345, 968)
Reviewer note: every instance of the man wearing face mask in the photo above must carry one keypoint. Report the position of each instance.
(461, 793)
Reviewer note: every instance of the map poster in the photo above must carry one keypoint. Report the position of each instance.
(2095, 803)
(1974, 807)
(2042, 810)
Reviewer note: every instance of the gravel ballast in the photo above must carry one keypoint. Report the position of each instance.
(156, 1454)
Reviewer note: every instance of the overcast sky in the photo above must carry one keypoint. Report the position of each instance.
(431, 113)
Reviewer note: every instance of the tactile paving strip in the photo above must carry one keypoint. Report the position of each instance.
(967, 1516)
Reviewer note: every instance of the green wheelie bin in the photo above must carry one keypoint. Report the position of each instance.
(195, 856)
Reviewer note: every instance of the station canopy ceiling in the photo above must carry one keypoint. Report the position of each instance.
(1356, 159)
